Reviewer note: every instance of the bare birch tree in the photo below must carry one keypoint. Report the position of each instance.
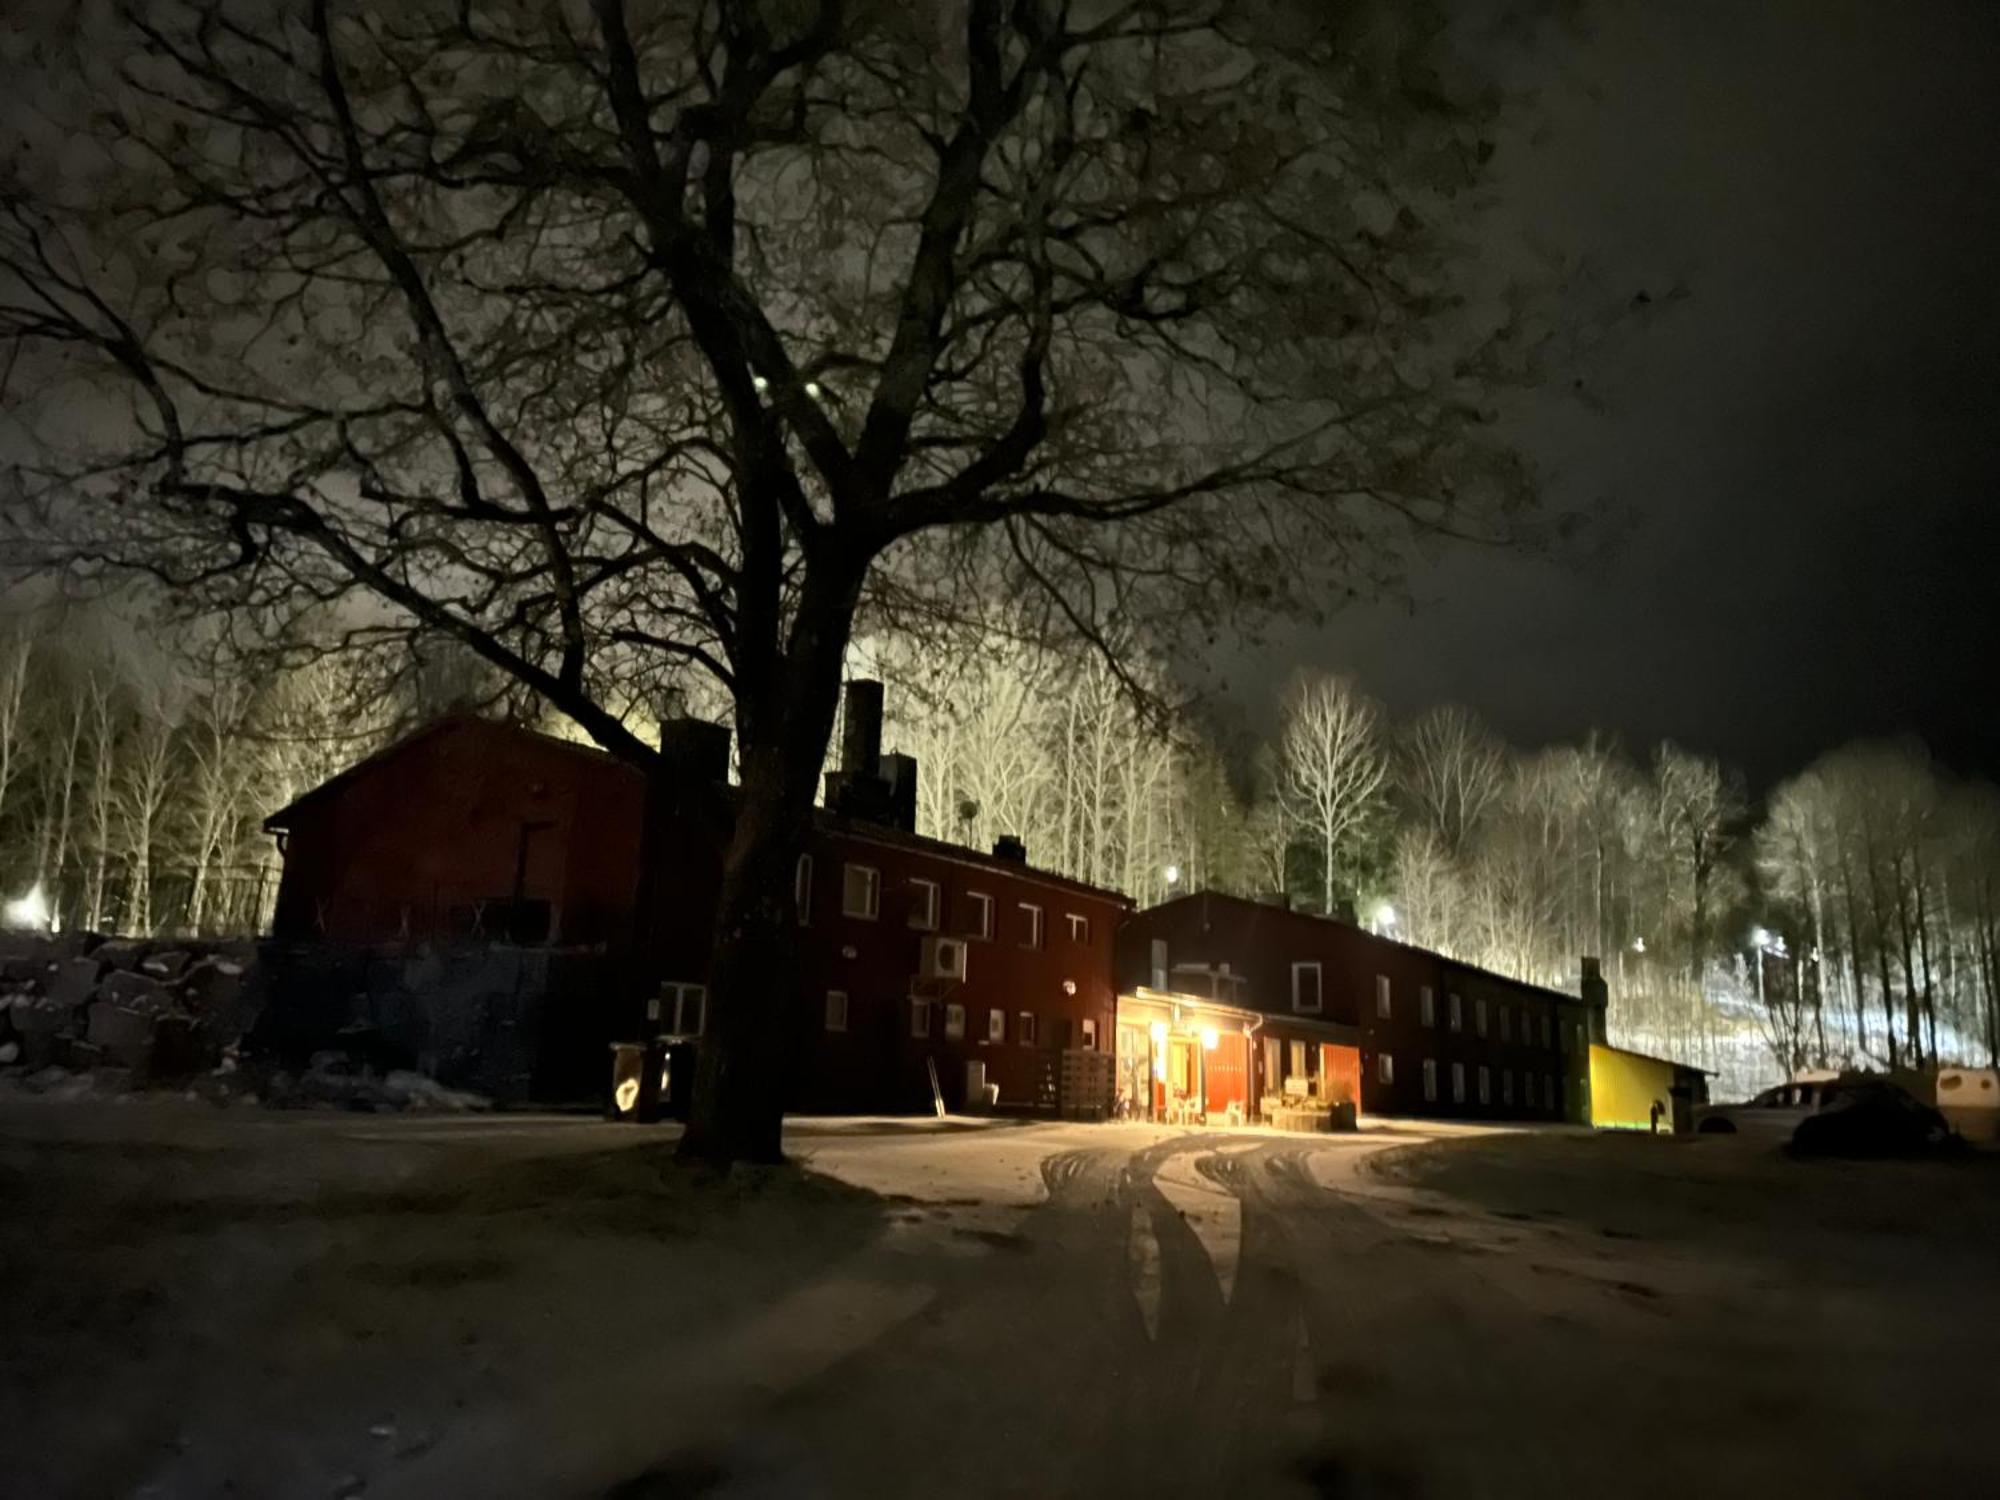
(1334, 768)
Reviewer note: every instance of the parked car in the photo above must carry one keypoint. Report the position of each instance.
(1874, 1117)
(1772, 1115)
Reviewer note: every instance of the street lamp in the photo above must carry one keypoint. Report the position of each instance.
(1385, 918)
(1173, 876)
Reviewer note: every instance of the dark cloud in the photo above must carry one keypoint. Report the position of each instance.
(1804, 450)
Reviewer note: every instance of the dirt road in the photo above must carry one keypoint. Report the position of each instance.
(201, 1303)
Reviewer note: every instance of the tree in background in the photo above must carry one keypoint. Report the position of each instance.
(1333, 770)
(683, 339)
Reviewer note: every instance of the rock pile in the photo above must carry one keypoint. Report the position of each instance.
(161, 1009)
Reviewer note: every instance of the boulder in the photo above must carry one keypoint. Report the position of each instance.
(168, 964)
(126, 1036)
(213, 989)
(74, 980)
(136, 991)
(119, 953)
(10, 1053)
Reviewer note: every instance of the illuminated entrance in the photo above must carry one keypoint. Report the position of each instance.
(1185, 1060)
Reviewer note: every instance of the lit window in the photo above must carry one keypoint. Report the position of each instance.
(1305, 987)
(802, 889)
(1455, 1013)
(1485, 1085)
(1430, 1080)
(836, 1010)
(1479, 1017)
(860, 891)
(685, 1006)
(1458, 1083)
(954, 1022)
(1031, 925)
(996, 1025)
(1382, 1004)
(1385, 1068)
(1026, 1032)
(924, 905)
(1079, 928)
(1427, 1009)
(979, 920)
(920, 1018)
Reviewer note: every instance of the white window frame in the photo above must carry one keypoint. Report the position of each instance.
(982, 904)
(954, 1021)
(872, 886)
(924, 916)
(1458, 1083)
(1319, 987)
(1485, 1084)
(1430, 1080)
(1028, 1028)
(1427, 1006)
(1456, 1011)
(1037, 923)
(996, 1024)
(1079, 926)
(920, 1018)
(836, 1010)
(679, 992)
(1385, 1068)
(1385, 1005)
(802, 889)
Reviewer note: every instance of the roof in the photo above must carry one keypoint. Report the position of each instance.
(1665, 1062)
(282, 819)
(1460, 964)
(825, 821)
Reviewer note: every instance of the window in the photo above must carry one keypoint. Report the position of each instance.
(1427, 1009)
(1458, 1083)
(1479, 1016)
(1507, 1086)
(954, 1022)
(1385, 1068)
(1090, 1036)
(1382, 1005)
(1305, 987)
(1548, 1092)
(836, 1010)
(1547, 1039)
(924, 905)
(802, 889)
(1031, 925)
(1079, 927)
(683, 1008)
(1430, 1080)
(920, 1018)
(1455, 1013)
(860, 891)
(979, 919)
(1295, 1063)
(1158, 963)
(996, 1025)
(1506, 1024)
(1485, 1085)
(1026, 1032)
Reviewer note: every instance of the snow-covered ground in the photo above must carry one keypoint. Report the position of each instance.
(199, 1302)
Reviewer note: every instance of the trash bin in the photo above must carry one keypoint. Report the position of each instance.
(636, 1069)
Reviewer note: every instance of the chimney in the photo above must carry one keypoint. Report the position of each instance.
(900, 774)
(861, 729)
(696, 751)
(1011, 849)
(1597, 1000)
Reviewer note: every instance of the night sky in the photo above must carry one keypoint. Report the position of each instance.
(1804, 455)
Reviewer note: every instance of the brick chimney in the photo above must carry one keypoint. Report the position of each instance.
(1597, 1000)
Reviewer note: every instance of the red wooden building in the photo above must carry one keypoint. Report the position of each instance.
(1415, 1033)
(917, 958)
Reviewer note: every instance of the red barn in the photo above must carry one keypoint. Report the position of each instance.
(918, 959)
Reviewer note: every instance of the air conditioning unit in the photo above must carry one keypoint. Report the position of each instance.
(943, 958)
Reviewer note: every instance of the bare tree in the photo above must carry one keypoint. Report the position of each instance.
(680, 340)
(1334, 768)
(1450, 769)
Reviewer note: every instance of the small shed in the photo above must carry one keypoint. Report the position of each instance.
(1626, 1087)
